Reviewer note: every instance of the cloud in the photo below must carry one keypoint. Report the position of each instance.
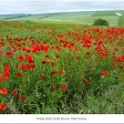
(52, 6)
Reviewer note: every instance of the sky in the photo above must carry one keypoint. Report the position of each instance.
(55, 6)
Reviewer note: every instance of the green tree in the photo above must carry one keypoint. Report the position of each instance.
(101, 22)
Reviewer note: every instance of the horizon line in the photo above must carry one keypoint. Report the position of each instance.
(61, 12)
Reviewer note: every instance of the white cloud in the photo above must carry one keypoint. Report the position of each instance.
(52, 6)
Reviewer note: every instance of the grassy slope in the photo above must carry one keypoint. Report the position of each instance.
(14, 16)
(89, 20)
(122, 21)
(108, 13)
(56, 16)
(110, 16)
(64, 16)
(87, 17)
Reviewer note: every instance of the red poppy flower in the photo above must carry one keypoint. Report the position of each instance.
(61, 71)
(21, 97)
(57, 56)
(6, 75)
(23, 67)
(1, 52)
(9, 54)
(6, 68)
(114, 64)
(20, 58)
(14, 92)
(52, 63)
(3, 91)
(19, 74)
(63, 87)
(17, 65)
(42, 76)
(121, 67)
(30, 66)
(46, 56)
(78, 57)
(44, 62)
(105, 73)
(85, 101)
(88, 53)
(29, 59)
(86, 81)
(1, 78)
(53, 72)
(54, 87)
(3, 107)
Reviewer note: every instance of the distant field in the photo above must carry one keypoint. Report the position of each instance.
(111, 17)
(53, 16)
(122, 21)
(113, 20)
(14, 16)
(86, 17)
(108, 13)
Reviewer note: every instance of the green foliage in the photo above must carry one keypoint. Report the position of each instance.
(101, 22)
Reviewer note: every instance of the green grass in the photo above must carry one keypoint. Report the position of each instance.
(122, 21)
(108, 13)
(13, 16)
(86, 17)
(53, 16)
(110, 16)
(113, 20)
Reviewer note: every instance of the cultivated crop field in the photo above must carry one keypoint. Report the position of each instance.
(54, 68)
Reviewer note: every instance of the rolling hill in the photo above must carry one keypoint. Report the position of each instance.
(86, 17)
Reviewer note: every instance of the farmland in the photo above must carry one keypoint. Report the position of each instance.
(86, 17)
(61, 68)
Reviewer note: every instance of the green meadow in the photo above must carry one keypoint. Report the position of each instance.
(61, 64)
(86, 17)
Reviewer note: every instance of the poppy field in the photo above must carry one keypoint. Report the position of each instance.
(61, 68)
